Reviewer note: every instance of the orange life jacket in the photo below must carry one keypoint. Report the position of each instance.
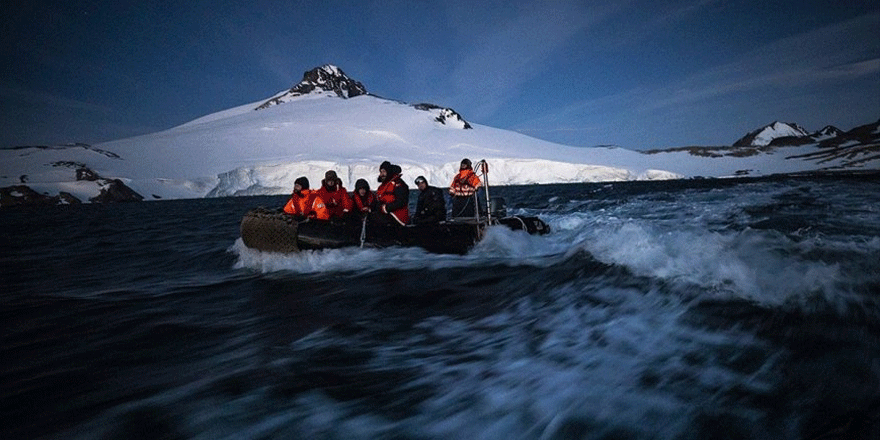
(307, 204)
(464, 184)
(385, 194)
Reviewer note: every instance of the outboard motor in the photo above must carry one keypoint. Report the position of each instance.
(532, 225)
(497, 207)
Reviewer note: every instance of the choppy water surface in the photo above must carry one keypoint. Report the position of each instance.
(681, 310)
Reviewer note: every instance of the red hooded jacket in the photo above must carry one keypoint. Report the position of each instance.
(338, 202)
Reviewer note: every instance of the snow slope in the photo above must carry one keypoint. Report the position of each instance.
(243, 151)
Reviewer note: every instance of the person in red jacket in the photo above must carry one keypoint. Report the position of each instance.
(363, 199)
(462, 190)
(304, 203)
(392, 195)
(335, 196)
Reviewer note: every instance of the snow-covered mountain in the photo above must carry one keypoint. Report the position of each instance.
(786, 134)
(829, 132)
(765, 135)
(330, 121)
(828, 149)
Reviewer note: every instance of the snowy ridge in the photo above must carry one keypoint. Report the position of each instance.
(763, 136)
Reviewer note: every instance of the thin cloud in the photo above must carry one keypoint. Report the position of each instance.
(506, 56)
(825, 55)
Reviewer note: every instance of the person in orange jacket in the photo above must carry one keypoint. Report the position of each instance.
(393, 196)
(363, 199)
(304, 203)
(335, 196)
(462, 190)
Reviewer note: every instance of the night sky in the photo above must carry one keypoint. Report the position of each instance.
(640, 74)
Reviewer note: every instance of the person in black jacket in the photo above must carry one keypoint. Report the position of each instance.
(392, 197)
(431, 207)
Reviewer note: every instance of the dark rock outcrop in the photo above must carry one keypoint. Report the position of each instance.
(112, 190)
(83, 173)
(829, 131)
(328, 78)
(446, 116)
(791, 141)
(854, 148)
(68, 198)
(116, 191)
(863, 134)
(23, 195)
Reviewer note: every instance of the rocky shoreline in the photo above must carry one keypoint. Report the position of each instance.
(111, 191)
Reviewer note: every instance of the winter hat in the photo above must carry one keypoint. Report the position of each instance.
(421, 179)
(330, 176)
(385, 166)
(361, 183)
(394, 170)
(302, 181)
(467, 162)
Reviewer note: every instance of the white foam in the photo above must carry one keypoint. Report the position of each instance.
(681, 246)
(500, 246)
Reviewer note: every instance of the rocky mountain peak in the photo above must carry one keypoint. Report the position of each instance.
(765, 135)
(829, 131)
(326, 78)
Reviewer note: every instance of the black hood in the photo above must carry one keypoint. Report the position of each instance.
(361, 183)
(302, 181)
(391, 171)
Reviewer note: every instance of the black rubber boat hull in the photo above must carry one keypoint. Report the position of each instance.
(269, 231)
(273, 231)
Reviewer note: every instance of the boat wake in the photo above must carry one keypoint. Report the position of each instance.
(706, 262)
(500, 245)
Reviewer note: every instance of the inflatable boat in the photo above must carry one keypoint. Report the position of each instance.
(272, 230)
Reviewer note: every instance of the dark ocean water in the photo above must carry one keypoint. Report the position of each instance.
(655, 310)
